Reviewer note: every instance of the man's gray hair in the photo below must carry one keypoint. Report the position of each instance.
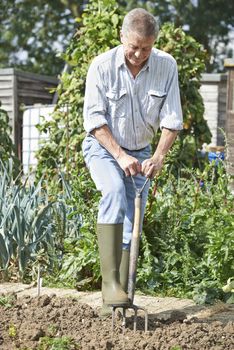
(141, 22)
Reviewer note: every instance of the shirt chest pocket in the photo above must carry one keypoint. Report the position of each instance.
(155, 99)
(116, 103)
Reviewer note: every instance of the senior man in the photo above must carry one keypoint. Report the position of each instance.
(131, 91)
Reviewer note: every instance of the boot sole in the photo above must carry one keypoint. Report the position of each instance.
(116, 302)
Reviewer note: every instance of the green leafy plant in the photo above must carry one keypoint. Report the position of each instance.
(29, 223)
(207, 292)
(63, 343)
(188, 245)
(7, 301)
(176, 347)
(98, 32)
(191, 59)
(80, 262)
(7, 148)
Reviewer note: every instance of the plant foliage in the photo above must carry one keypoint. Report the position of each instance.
(188, 240)
(30, 223)
(189, 233)
(99, 31)
(38, 29)
(7, 148)
(32, 32)
(190, 58)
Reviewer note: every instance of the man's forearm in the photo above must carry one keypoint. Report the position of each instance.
(106, 139)
(166, 141)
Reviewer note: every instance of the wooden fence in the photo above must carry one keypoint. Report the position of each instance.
(19, 89)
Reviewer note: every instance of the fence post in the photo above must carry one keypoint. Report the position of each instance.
(229, 65)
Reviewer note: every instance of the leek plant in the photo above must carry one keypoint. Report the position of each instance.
(30, 223)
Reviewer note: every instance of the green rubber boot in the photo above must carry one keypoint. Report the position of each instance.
(124, 269)
(110, 249)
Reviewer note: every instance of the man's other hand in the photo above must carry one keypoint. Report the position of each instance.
(130, 165)
(151, 167)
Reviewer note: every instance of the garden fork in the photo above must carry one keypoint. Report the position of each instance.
(134, 252)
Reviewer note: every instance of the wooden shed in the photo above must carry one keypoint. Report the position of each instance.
(18, 89)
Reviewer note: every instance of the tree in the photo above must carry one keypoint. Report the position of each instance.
(208, 21)
(33, 31)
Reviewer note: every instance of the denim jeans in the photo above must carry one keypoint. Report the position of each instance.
(118, 193)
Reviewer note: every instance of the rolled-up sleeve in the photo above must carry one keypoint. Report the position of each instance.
(171, 112)
(95, 99)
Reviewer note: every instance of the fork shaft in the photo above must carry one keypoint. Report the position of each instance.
(134, 252)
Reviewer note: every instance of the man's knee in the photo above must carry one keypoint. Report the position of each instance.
(113, 204)
(116, 195)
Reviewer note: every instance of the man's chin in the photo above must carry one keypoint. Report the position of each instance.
(136, 64)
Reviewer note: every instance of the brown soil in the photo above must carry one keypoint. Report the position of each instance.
(31, 318)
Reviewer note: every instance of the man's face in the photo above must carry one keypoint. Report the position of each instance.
(136, 49)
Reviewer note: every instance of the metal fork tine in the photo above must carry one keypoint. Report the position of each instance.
(113, 318)
(135, 309)
(135, 319)
(124, 318)
(146, 321)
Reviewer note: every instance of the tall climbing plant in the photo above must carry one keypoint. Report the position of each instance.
(99, 31)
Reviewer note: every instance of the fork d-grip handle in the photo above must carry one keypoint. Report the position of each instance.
(134, 251)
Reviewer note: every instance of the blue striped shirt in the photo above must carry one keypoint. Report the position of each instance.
(133, 108)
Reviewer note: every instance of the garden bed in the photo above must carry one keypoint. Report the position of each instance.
(38, 322)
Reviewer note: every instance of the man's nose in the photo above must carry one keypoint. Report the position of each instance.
(138, 53)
